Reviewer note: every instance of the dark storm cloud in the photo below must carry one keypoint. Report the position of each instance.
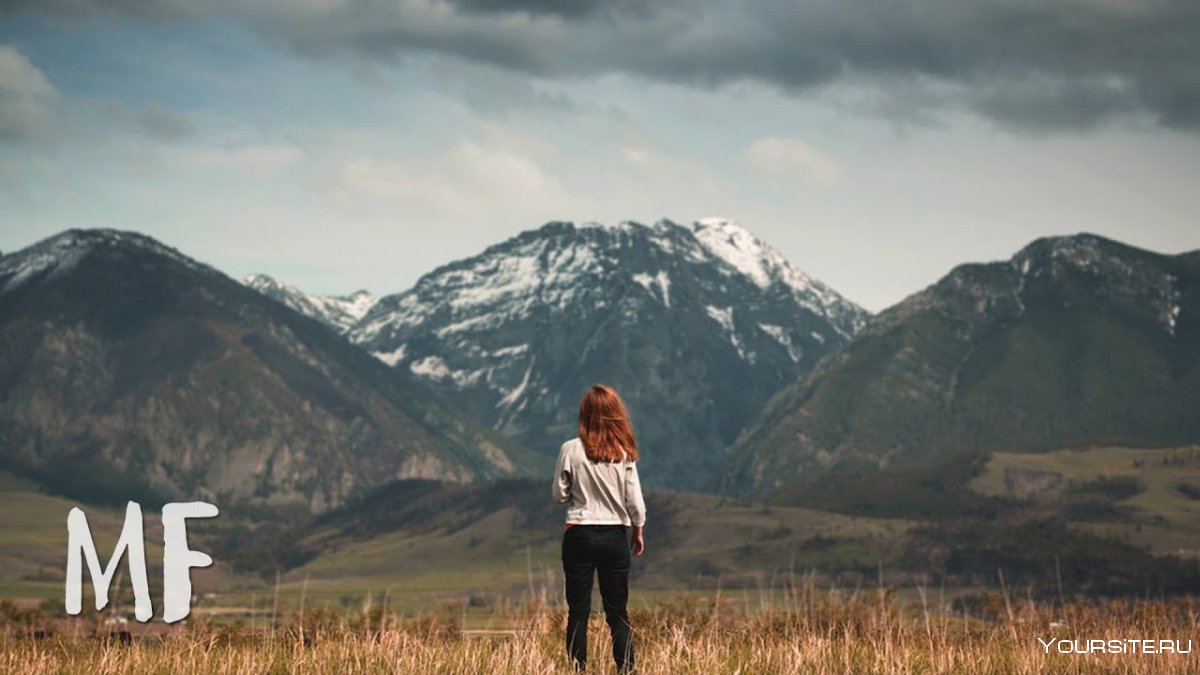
(1036, 64)
(563, 8)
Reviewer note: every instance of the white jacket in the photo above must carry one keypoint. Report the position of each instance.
(597, 493)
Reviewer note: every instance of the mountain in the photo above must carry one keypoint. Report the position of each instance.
(339, 311)
(1075, 341)
(696, 326)
(128, 368)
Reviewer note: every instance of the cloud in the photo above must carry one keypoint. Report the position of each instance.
(26, 96)
(495, 91)
(792, 157)
(19, 76)
(535, 7)
(259, 160)
(470, 178)
(665, 168)
(31, 177)
(154, 120)
(1027, 64)
(160, 121)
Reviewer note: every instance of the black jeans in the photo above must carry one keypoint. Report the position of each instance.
(603, 550)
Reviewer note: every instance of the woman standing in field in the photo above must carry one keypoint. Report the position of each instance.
(596, 476)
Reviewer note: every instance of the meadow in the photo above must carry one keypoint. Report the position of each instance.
(809, 631)
(427, 578)
(1149, 498)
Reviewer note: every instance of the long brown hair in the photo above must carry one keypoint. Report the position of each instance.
(604, 426)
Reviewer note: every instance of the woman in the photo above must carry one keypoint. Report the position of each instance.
(596, 476)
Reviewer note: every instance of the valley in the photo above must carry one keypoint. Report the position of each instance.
(1025, 419)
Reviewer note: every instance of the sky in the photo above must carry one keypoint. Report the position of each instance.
(346, 144)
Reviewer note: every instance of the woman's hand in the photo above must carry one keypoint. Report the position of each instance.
(636, 542)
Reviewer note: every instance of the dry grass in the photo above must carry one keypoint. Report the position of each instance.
(818, 632)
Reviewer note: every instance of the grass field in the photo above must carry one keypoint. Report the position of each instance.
(33, 546)
(446, 554)
(710, 542)
(1160, 510)
(409, 584)
(812, 632)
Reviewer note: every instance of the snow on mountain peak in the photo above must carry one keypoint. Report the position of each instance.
(737, 246)
(340, 311)
(516, 330)
(358, 303)
(548, 269)
(559, 265)
(730, 241)
(622, 226)
(62, 252)
(51, 257)
(265, 282)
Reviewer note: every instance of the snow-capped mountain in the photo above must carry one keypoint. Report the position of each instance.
(56, 256)
(735, 245)
(339, 311)
(1074, 341)
(696, 326)
(128, 368)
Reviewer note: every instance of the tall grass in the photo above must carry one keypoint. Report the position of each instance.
(812, 632)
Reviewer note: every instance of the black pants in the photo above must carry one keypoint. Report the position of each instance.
(603, 550)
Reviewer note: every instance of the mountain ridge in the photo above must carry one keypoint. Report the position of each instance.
(519, 330)
(1072, 340)
(123, 358)
(339, 311)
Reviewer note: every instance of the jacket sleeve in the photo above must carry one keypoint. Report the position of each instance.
(560, 492)
(634, 502)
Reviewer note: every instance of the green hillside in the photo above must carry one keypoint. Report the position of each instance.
(128, 369)
(423, 539)
(1075, 341)
(1148, 498)
(416, 545)
(33, 545)
(419, 542)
